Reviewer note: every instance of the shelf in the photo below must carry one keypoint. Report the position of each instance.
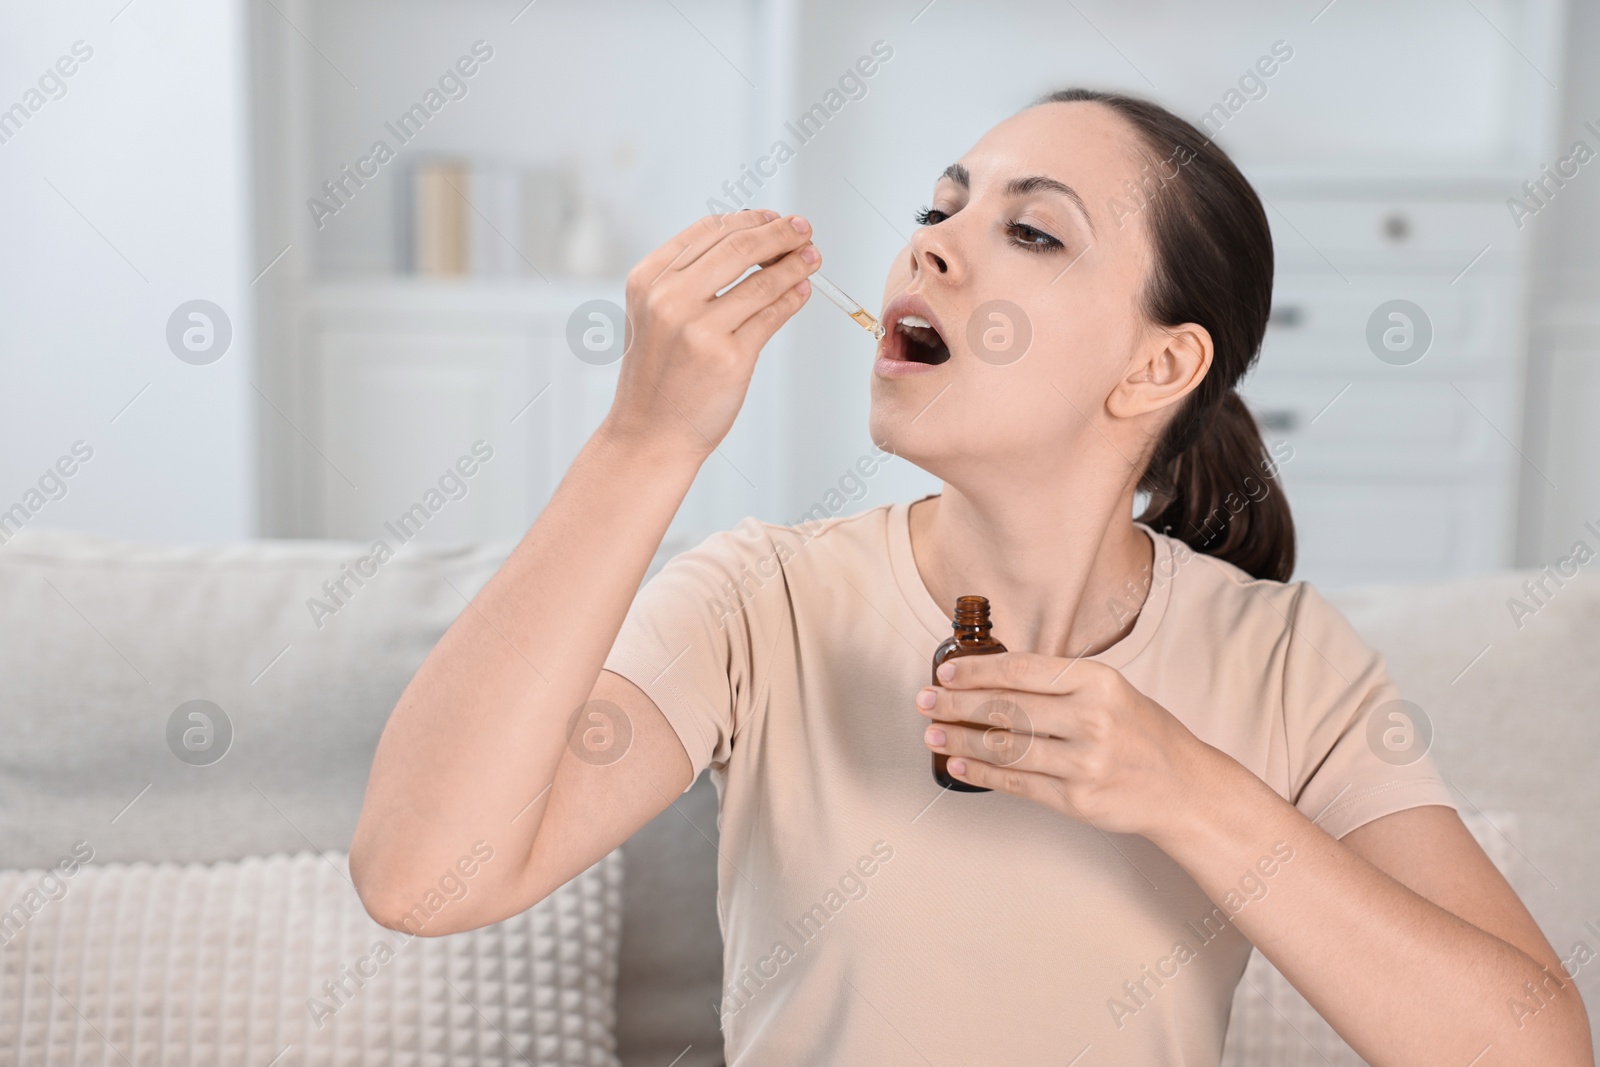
(1470, 181)
(512, 296)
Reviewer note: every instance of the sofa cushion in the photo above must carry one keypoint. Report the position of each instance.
(669, 991)
(1515, 720)
(107, 640)
(274, 960)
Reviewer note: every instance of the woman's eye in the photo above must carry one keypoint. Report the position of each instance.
(930, 215)
(1034, 240)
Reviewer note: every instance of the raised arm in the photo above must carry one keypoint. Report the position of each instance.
(475, 760)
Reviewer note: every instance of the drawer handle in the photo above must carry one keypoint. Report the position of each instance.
(1286, 316)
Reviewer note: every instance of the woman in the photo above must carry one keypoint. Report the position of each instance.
(1177, 744)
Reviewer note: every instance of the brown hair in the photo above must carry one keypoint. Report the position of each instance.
(1213, 267)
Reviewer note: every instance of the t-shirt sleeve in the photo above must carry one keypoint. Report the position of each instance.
(694, 637)
(1357, 750)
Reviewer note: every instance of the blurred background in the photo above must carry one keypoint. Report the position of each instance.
(272, 266)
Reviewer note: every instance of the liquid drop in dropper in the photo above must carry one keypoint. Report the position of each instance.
(863, 317)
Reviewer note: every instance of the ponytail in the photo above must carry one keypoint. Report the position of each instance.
(1210, 481)
(1220, 495)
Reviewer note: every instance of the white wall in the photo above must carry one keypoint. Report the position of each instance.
(1564, 366)
(651, 114)
(125, 198)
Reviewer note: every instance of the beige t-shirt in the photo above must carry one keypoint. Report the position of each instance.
(870, 917)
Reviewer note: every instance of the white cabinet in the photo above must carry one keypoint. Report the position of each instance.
(405, 377)
(1403, 466)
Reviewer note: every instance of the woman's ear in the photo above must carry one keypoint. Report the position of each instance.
(1163, 371)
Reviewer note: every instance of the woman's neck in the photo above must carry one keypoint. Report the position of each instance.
(1064, 580)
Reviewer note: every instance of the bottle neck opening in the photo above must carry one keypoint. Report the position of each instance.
(971, 615)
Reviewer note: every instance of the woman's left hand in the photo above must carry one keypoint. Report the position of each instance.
(1072, 734)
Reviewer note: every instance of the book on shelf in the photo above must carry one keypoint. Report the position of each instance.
(484, 217)
(440, 199)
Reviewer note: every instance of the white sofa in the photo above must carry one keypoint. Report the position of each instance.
(103, 641)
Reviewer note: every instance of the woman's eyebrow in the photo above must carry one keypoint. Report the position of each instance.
(1036, 183)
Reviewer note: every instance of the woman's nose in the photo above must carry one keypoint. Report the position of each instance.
(930, 252)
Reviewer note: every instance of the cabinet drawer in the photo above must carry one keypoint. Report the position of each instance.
(1384, 429)
(1319, 326)
(1403, 233)
(1352, 533)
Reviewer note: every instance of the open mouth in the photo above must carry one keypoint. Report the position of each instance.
(916, 341)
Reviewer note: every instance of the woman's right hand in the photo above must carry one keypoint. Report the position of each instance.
(689, 353)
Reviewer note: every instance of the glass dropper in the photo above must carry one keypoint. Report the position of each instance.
(863, 317)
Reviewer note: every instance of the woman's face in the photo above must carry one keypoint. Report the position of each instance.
(1030, 264)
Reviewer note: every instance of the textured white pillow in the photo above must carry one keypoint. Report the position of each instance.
(242, 963)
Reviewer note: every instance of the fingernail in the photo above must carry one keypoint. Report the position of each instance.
(800, 224)
(946, 671)
(769, 215)
(956, 766)
(934, 735)
(927, 698)
(810, 254)
(803, 286)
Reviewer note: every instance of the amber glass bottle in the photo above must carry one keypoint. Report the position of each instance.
(971, 638)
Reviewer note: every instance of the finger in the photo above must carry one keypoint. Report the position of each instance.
(1009, 709)
(727, 260)
(997, 746)
(758, 329)
(692, 241)
(764, 286)
(774, 259)
(1029, 784)
(1031, 672)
